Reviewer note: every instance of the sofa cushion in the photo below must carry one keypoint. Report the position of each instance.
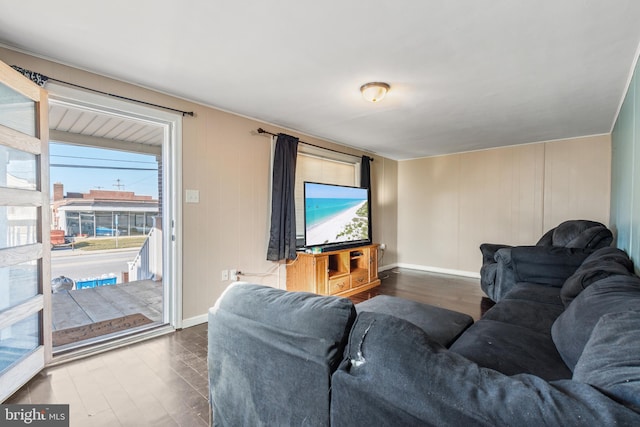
(442, 325)
(602, 263)
(511, 349)
(572, 329)
(549, 266)
(611, 359)
(532, 315)
(578, 234)
(269, 348)
(393, 375)
(534, 292)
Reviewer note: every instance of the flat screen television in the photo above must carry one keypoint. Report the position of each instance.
(336, 216)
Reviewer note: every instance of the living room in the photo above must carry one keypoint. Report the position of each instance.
(431, 212)
(510, 195)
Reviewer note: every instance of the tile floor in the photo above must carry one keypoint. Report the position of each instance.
(159, 382)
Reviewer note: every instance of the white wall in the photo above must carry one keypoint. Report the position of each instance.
(449, 205)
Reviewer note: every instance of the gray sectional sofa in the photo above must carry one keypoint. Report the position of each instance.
(497, 275)
(562, 348)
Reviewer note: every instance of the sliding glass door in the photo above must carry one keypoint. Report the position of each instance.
(25, 288)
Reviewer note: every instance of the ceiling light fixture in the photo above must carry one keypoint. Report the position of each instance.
(374, 91)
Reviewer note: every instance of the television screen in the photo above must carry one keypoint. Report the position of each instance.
(336, 215)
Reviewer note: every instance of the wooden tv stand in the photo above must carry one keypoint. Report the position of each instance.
(341, 272)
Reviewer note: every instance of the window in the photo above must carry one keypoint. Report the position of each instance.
(325, 166)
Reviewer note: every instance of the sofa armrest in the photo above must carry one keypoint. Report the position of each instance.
(546, 265)
(489, 250)
(267, 348)
(393, 374)
(495, 273)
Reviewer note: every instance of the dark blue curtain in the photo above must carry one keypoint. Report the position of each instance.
(282, 236)
(365, 172)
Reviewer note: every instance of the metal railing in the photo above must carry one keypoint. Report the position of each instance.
(147, 265)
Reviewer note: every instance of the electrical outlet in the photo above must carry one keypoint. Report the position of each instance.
(225, 275)
(233, 275)
(192, 196)
(383, 246)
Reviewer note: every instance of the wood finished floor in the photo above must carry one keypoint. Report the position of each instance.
(163, 381)
(452, 292)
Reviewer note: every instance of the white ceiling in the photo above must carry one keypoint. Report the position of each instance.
(465, 74)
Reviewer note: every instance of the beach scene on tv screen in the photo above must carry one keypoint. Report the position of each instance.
(335, 214)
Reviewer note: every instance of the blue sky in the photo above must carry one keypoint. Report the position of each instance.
(335, 192)
(82, 179)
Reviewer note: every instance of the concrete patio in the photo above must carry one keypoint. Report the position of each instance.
(85, 306)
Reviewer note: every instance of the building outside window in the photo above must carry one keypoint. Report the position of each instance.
(102, 213)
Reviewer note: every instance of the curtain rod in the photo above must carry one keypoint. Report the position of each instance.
(184, 113)
(260, 130)
(41, 80)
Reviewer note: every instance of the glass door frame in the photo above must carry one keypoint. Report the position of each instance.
(27, 366)
(171, 152)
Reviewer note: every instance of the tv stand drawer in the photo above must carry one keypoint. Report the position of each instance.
(359, 279)
(339, 284)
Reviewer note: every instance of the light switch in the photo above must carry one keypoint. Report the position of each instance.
(192, 196)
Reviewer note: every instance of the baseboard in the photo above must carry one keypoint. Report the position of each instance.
(382, 268)
(430, 269)
(197, 320)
